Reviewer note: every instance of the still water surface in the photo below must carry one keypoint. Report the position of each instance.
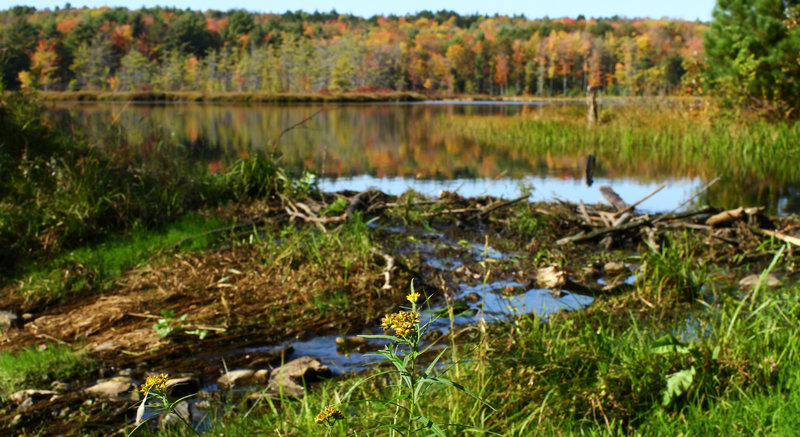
(389, 146)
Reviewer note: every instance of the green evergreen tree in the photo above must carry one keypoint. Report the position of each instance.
(753, 52)
(190, 35)
(16, 42)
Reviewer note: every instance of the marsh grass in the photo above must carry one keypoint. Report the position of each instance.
(296, 245)
(37, 367)
(674, 274)
(653, 141)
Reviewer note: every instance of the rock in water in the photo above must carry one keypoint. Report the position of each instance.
(290, 378)
(118, 388)
(236, 378)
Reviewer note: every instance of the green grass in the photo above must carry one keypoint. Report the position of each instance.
(33, 367)
(297, 245)
(95, 266)
(674, 270)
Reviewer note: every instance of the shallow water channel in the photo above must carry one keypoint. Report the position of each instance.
(489, 301)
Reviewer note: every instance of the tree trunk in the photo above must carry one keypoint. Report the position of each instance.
(591, 105)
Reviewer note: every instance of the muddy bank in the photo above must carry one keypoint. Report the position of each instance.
(297, 275)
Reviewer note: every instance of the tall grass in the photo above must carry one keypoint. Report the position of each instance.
(652, 141)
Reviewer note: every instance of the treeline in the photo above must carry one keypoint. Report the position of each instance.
(164, 49)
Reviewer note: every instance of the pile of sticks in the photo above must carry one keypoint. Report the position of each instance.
(609, 227)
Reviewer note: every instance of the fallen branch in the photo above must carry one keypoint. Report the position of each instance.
(687, 214)
(584, 213)
(504, 204)
(308, 215)
(700, 191)
(50, 337)
(783, 237)
(581, 236)
(596, 233)
(730, 215)
(635, 204)
(479, 211)
(613, 198)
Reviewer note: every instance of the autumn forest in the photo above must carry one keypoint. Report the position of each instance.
(162, 49)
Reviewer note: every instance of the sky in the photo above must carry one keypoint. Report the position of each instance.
(684, 9)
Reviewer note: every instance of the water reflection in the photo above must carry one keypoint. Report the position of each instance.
(393, 147)
(543, 188)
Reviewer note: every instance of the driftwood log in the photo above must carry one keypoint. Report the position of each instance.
(726, 217)
(613, 198)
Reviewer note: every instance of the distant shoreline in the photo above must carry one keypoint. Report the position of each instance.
(346, 97)
(234, 97)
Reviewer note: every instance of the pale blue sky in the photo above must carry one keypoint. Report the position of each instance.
(686, 9)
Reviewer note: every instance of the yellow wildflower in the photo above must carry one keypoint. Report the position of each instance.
(413, 297)
(327, 414)
(155, 382)
(403, 323)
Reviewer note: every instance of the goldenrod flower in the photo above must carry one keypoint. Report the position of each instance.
(403, 323)
(155, 382)
(413, 297)
(327, 414)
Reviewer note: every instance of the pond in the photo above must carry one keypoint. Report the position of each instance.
(389, 146)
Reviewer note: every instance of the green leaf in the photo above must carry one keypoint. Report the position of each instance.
(424, 377)
(428, 424)
(435, 360)
(457, 386)
(677, 384)
(668, 344)
(382, 337)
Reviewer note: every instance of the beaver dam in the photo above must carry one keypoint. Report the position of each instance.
(560, 316)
